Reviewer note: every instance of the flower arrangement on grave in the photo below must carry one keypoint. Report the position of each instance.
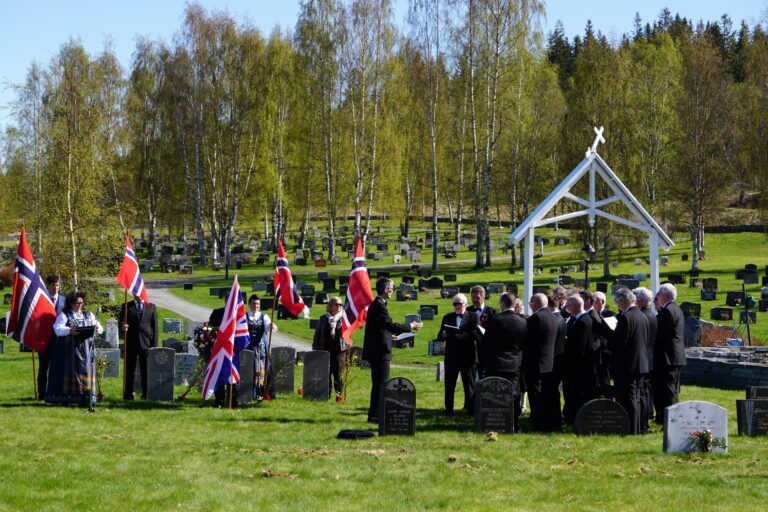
(203, 338)
(102, 363)
(704, 441)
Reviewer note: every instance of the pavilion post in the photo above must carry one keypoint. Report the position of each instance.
(528, 269)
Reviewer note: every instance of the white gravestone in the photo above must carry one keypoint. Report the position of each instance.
(684, 418)
(111, 333)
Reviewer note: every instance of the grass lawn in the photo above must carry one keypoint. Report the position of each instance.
(189, 456)
(725, 254)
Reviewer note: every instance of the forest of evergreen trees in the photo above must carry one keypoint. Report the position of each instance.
(467, 112)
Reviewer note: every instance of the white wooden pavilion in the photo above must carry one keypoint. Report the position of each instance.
(593, 167)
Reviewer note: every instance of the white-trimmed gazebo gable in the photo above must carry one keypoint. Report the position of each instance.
(594, 167)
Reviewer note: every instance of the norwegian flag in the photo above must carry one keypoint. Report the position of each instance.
(32, 310)
(223, 368)
(359, 295)
(129, 276)
(284, 287)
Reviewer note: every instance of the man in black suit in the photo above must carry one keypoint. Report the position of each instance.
(629, 360)
(481, 313)
(643, 299)
(377, 342)
(560, 294)
(458, 331)
(552, 383)
(668, 352)
(503, 340)
(139, 326)
(579, 370)
(594, 305)
(53, 286)
(538, 357)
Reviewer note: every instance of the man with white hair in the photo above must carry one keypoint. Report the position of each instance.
(668, 351)
(579, 374)
(629, 360)
(643, 299)
(457, 330)
(538, 358)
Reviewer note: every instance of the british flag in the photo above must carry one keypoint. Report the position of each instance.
(129, 276)
(32, 310)
(285, 289)
(223, 368)
(359, 295)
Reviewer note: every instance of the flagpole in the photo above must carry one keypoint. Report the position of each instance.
(34, 373)
(269, 348)
(125, 340)
(230, 397)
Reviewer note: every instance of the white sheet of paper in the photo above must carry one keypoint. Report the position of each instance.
(611, 322)
(447, 326)
(481, 329)
(404, 336)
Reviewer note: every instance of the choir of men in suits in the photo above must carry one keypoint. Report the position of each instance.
(503, 340)
(458, 331)
(668, 352)
(138, 322)
(377, 342)
(538, 355)
(579, 382)
(53, 286)
(643, 299)
(481, 314)
(629, 360)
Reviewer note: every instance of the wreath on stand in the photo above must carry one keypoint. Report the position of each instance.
(203, 338)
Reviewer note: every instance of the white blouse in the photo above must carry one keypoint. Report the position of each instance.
(61, 328)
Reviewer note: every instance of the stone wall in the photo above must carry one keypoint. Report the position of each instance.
(728, 368)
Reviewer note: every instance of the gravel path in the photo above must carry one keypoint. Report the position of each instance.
(162, 297)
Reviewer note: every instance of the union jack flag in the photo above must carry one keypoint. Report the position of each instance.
(129, 276)
(32, 310)
(223, 368)
(359, 295)
(284, 287)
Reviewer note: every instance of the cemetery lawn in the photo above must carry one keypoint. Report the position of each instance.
(725, 254)
(285, 455)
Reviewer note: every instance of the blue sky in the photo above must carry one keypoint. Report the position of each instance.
(35, 29)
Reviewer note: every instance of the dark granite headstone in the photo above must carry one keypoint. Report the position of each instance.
(691, 309)
(213, 292)
(708, 294)
(329, 284)
(448, 292)
(709, 283)
(757, 392)
(601, 417)
(2, 346)
(171, 325)
(434, 282)
(283, 363)
(317, 371)
(751, 278)
(734, 299)
(186, 365)
(764, 281)
(601, 287)
(397, 414)
(181, 347)
(449, 278)
(245, 388)
(258, 286)
(743, 317)
(426, 313)
(189, 286)
(762, 305)
(695, 282)
(676, 278)
(692, 332)
(721, 314)
(541, 289)
(740, 274)
(161, 362)
(752, 417)
(494, 401)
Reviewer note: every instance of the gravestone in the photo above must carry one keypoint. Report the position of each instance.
(601, 417)
(329, 284)
(692, 332)
(752, 417)
(449, 278)
(189, 286)
(343, 280)
(709, 283)
(181, 347)
(440, 374)
(751, 278)
(186, 365)
(160, 369)
(172, 326)
(564, 280)
(695, 282)
(448, 292)
(436, 348)
(405, 287)
(213, 292)
(322, 276)
(435, 282)
(601, 287)
(708, 294)
(629, 283)
(541, 289)
(740, 274)
(691, 309)
(113, 356)
(2, 346)
(494, 404)
(307, 289)
(762, 305)
(743, 317)
(283, 362)
(111, 333)
(245, 389)
(757, 392)
(495, 287)
(427, 313)
(189, 328)
(412, 318)
(397, 414)
(684, 418)
(721, 314)
(676, 278)
(317, 371)
(258, 286)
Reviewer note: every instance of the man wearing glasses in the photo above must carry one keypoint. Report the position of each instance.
(456, 330)
(377, 342)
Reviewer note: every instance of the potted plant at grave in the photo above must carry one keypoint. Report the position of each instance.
(102, 363)
(704, 441)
